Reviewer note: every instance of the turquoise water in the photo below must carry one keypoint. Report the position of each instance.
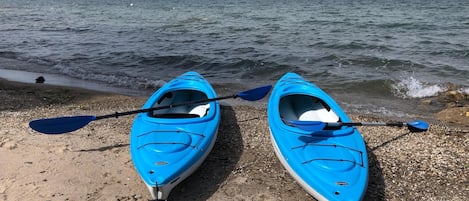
(370, 55)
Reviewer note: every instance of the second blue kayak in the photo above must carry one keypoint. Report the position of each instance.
(330, 163)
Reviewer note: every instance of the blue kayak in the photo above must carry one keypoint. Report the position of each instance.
(330, 163)
(168, 145)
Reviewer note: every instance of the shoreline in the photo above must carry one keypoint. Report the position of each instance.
(416, 108)
(93, 163)
(56, 80)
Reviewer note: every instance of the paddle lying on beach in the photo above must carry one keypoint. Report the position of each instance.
(311, 126)
(60, 125)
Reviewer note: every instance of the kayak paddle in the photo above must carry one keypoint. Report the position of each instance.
(311, 126)
(60, 125)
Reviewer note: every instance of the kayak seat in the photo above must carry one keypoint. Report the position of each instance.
(320, 114)
(175, 115)
(200, 110)
(306, 108)
(183, 111)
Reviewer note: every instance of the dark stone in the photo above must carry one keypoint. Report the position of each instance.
(40, 79)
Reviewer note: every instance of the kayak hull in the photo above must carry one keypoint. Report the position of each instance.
(330, 164)
(168, 145)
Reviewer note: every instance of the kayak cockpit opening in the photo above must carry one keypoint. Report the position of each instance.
(183, 111)
(301, 107)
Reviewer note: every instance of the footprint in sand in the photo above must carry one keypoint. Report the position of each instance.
(59, 149)
(8, 144)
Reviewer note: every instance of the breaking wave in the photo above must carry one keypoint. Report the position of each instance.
(411, 87)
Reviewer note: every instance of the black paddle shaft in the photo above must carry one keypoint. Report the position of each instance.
(118, 114)
(397, 124)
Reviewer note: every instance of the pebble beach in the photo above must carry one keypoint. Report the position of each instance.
(94, 163)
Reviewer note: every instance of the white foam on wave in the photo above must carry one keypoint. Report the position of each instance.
(410, 87)
(465, 91)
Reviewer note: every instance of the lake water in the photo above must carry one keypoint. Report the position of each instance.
(378, 57)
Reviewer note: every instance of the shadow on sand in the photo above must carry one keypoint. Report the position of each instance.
(376, 184)
(204, 182)
(375, 189)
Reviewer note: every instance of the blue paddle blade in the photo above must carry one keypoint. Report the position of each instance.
(417, 126)
(60, 125)
(310, 126)
(255, 94)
